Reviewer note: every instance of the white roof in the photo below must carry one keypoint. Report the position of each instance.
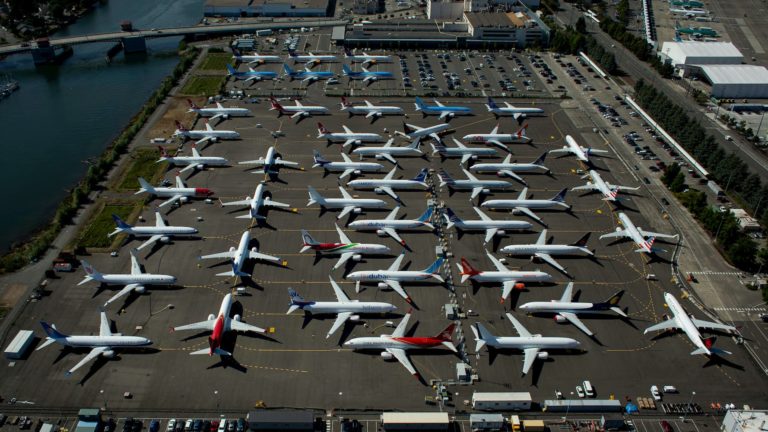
(735, 74)
(414, 417)
(501, 396)
(679, 51)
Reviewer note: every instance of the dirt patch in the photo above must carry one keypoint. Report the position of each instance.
(177, 110)
(11, 294)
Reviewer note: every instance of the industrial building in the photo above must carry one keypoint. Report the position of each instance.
(746, 222)
(417, 421)
(523, 28)
(736, 81)
(745, 421)
(684, 55)
(270, 420)
(272, 8)
(368, 7)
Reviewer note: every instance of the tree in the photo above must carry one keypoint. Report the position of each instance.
(742, 253)
(678, 184)
(581, 25)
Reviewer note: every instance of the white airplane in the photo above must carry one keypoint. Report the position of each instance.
(136, 281)
(413, 132)
(346, 168)
(510, 279)
(271, 163)
(466, 153)
(509, 168)
(218, 325)
(255, 58)
(205, 135)
(566, 309)
(346, 203)
(392, 276)
(581, 153)
(394, 346)
(498, 139)
(345, 248)
(160, 232)
(490, 226)
(441, 110)
(347, 137)
(388, 184)
(544, 251)
(690, 326)
(344, 308)
(524, 205)
(181, 193)
(369, 109)
(390, 224)
(261, 198)
(510, 110)
(638, 235)
(472, 183)
(250, 74)
(196, 161)
(388, 151)
(530, 344)
(310, 59)
(366, 59)
(240, 255)
(297, 110)
(219, 112)
(597, 184)
(103, 345)
(367, 76)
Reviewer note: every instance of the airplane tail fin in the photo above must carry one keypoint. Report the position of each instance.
(296, 300)
(288, 70)
(145, 186)
(51, 331)
(467, 270)
(321, 129)
(230, 69)
(446, 337)
(308, 241)
(482, 335)
(407, 128)
(613, 302)
(560, 197)
(540, 159)
(446, 179)
(709, 343)
(491, 104)
(314, 196)
(275, 105)
(193, 106)
(163, 153)
(422, 175)
(319, 159)
(119, 222)
(582, 242)
(419, 104)
(426, 215)
(346, 70)
(453, 219)
(415, 144)
(344, 103)
(434, 268)
(180, 126)
(521, 132)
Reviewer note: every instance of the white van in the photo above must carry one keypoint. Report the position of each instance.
(670, 389)
(588, 390)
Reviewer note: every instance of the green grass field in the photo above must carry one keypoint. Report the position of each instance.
(216, 62)
(143, 164)
(203, 85)
(101, 224)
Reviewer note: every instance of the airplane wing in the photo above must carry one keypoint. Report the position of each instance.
(216, 116)
(711, 325)
(551, 261)
(489, 233)
(465, 157)
(258, 162)
(475, 192)
(189, 167)
(202, 325)
(482, 215)
(393, 233)
(402, 357)
(348, 142)
(444, 114)
(299, 114)
(368, 79)
(122, 293)
(624, 188)
(436, 137)
(522, 331)
(561, 150)
(346, 173)
(568, 293)
(398, 261)
(499, 266)
(90, 356)
(400, 329)
(345, 211)
(341, 318)
(104, 329)
(261, 256)
(346, 129)
(497, 143)
(573, 319)
(529, 358)
(135, 266)
(664, 325)
(170, 201)
(372, 114)
(597, 151)
(388, 190)
(203, 140)
(388, 157)
(243, 327)
(506, 288)
(590, 187)
(396, 287)
(269, 203)
(150, 241)
(159, 222)
(343, 259)
(220, 255)
(529, 213)
(615, 234)
(657, 235)
(510, 173)
(245, 202)
(342, 237)
(282, 162)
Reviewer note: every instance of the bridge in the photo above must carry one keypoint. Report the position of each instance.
(141, 35)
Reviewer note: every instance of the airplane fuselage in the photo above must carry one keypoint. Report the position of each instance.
(353, 306)
(200, 134)
(424, 132)
(684, 321)
(192, 160)
(113, 341)
(356, 248)
(188, 192)
(503, 138)
(384, 275)
(140, 279)
(514, 167)
(519, 276)
(356, 202)
(455, 151)
(164, 230)
(342, 137)
(394, 184)
(541, 342)
(231, 112)
(528, 203)
(531, 249)
(471, 184)
(390, 342)
(394, 151)
(557, 307)
(358, 166)
(397, 224)
(469, 225)
(365, 109)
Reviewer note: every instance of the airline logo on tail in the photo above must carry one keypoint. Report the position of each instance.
(319, 159)
(433, 269)
(275, 104)
(521, 132)
(120, 223)
(452, 216)
(491, 104)
(51, 331)
(345, 103)
(427, 214)
(560, 197)
(192, 105)
(447, 334)
(422, 176)
(308, 240)
(648, 244)
(322, 129)
(181, 127)
(467, 270)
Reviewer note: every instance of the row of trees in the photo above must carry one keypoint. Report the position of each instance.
(622, 12)
(572, 40)
(22, 254)
(637, 45)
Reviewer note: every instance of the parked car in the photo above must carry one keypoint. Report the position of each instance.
(655, 393)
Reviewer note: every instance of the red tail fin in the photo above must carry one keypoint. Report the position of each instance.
(322, 128)
(192, 104)
(521, 131)
(179, 126)
(275, 104)
(344, 101)
(163, 153)
(467, 269)
(447, 334)
(709, 342)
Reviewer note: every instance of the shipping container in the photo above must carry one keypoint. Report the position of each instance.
(19, 345)
(503, 401)
(486, 422)
(578, 405)
(533, 425)
(415, 421)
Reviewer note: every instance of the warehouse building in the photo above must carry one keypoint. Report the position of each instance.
(523, 28)
(684, 55)
(736, 81)
(745, 421)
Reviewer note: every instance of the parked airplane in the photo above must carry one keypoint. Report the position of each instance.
(135, 281)
(369, 109)
(581, 153)
(388, 151)
(239, 255)
(638, 235)
(466, 153)
(498, 139)
(205, 135)
(524, 205)
(160, 231)
(366, 75)
(196, 161)
(394, 346)
(441, 110)
(345, 248)
(531, 345)
(472, 183)
(271, 163)
(255, 58)
(597, 184)
(181, 193)
(104, 345)
(490, 226)
(219, 324)
(389, 184)
(690, 326)
(390, 224)
(261, 198)
(509, 168)
(413, 132)
(510, 279)
(310, 59)
(346, 203)
(347, 137)
(566, 309)
(346, 168)
(297, 110)
(219, 112)
(307, 75)
(344, 308)
(392, 276)
(250, 75)
(366, 59)
(510, 110)
(544, 251)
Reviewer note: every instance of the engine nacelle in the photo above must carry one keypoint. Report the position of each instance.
(232, 249)
(184, 199)
(357, 172)
(357, 257)
(237, 317)
(387, 355)
(199, 167)
(451, 115)
(542, 355)
(379, 157)
(519, 286)
(357, 142)
(499, 173)
(140, 289)
(165, 239)
(211, 317)
(382, 285)
(354, 318)
(357, 210)
(225, 116)
(560, 319)
(214, 139)
(500, 232)
(254, 250)
(379, 190)
(473, 157)
(108, 354)
(486, 191)
(381, 233)
(618, 229)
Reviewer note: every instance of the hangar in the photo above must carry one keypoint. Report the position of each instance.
(684, 55)
(737, 81)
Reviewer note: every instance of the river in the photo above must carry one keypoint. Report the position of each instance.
(64, 115)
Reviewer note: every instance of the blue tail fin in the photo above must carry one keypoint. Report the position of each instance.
(445, 177)
(231, 70)
(346, 69)
(287, 69)
(426, 215)
(295, 297)
(52, 332)
(319, 159)
(492, 104)
(435, 266)
(560, 197)
(422, 175)
(419, 103)
(540, 159)
(453, 217)
(120, 223)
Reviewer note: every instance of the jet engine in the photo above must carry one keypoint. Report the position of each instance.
(237, 317)
(499, 173)
(254, 250)
(165, 239)
(542, 355)
(357, 172)
(382, 285)
(232, 249)
(354, 318)
(184, 199)
(108, 354)
(500, 232)
(560, 319)
(199, 167)
(357, 142)
(225, 116)
(486, 191)
(357, 257)
(140, 289)
(211, 317)
(357, 210)
(379, 157)
(381, 233)
(379, 190)
(387, 355)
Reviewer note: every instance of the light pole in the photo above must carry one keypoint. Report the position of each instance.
(216, 393)
(690, 401)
